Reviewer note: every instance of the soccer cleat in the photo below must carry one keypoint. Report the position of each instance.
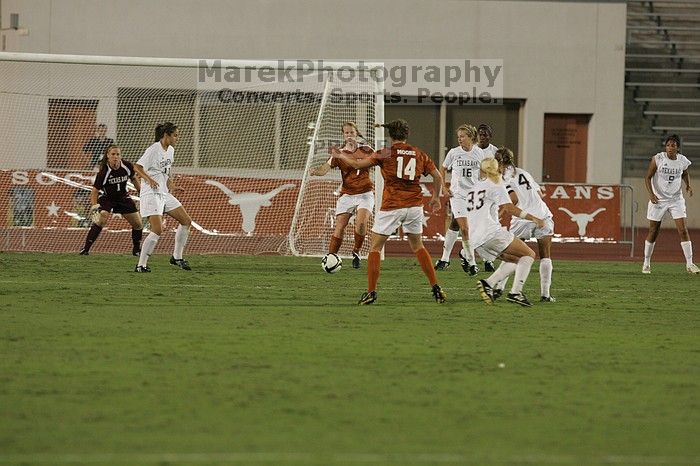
(136, 251)
(442, 265)
(438, 294)
(182, 263)
(488, 266)
(368, 297)
(84, 252)
(547, 299)
(142, 269)
(646, 269)
(692, 268)
(485, 291)
(518, 298)
(497, 293)
(355, 261)
(471, 269)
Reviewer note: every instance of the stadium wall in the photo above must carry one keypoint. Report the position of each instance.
(562, 57)
(570, 62)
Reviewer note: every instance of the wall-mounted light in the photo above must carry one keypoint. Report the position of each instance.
(14, 25)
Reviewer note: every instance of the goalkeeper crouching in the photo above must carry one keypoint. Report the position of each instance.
(109, 195)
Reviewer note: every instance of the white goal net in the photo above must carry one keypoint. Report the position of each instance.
(250, 132)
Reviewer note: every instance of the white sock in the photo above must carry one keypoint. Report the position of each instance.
(687, 247)
(149, 244)
(467, 251)
(502, 273)
(502, 284)
(181, 235)
(648, 251)
(450, 240)
(545, 276)
(522, 270)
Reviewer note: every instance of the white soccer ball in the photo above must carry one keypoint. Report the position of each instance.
(331, 263)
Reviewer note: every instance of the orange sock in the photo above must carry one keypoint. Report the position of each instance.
(373, 266)
(426, 263)
(359, 239)
(334, 245)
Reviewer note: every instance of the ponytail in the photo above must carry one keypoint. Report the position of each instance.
(505, 157)
(398, 129)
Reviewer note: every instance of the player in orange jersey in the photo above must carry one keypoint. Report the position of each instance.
(402, 202)
(357, 192)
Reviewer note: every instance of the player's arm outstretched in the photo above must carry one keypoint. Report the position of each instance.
(515, 211)
(321, 170)
(357, 164)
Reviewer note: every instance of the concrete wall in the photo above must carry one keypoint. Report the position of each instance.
(562, 57)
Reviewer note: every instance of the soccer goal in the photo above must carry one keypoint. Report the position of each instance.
(251, 132)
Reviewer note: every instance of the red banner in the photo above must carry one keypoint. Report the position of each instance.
(585, 211)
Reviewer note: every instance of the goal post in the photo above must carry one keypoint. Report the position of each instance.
(251, 131)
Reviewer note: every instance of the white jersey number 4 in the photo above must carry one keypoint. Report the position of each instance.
(407, 173)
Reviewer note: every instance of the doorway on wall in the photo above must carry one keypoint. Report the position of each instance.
(565, 151)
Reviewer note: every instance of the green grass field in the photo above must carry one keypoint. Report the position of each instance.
(268, 360)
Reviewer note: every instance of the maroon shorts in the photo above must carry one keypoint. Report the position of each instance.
(123, 205)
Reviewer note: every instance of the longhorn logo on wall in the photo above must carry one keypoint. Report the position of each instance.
(585, 211)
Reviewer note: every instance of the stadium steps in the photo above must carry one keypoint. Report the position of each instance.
(662, 80)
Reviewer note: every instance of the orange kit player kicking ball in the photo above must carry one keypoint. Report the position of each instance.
(357, 192)
(402, 202)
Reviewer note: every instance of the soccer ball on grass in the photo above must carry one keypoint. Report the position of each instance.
(331, 263)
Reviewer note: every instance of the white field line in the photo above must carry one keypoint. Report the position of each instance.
(344, 458)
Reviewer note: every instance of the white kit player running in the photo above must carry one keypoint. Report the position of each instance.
(527, 194)
(463, 161)
(663, 183)
(492, 240)
(154, 168)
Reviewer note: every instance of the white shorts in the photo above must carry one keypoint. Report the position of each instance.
(676, 208)
(495, 245)
(157, 204)
(458, 206)
(525, 229)
(349, 203)
(410, 218)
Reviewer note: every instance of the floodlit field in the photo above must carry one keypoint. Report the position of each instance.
(268, 360)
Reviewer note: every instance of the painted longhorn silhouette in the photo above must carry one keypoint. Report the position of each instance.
(249, 203)
(582, 219)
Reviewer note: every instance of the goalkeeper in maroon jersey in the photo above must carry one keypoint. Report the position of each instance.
(109, 195)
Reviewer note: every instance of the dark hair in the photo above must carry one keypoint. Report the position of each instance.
(486, 128)
(164, 128)
(103, 160)
(398, 129)
(673, 137)
(505, 157)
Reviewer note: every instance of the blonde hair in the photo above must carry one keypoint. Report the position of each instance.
(489, 168)
(470, 130)
(354, 125)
